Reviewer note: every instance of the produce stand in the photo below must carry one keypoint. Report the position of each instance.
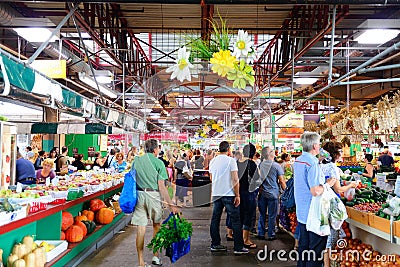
(46, 224)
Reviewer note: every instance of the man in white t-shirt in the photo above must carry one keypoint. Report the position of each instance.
(225, 193)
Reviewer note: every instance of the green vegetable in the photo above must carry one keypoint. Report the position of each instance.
(169, 234)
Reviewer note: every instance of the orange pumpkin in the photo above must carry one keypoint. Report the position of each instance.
(67, 220)
(80, 218)
(62, 235)
(96, 204)
(82, 226)
(104, 216)
(74, 234)
(89, 214)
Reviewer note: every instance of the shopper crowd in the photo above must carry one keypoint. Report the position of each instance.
(244, 181)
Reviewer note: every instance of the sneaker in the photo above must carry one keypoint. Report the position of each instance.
(241, 252)
(218, 248)
(156, 261)
(271, 238)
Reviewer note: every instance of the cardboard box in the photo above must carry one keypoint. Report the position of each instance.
(60, 247)
(8, 217)
(379, 223)
(359, 216)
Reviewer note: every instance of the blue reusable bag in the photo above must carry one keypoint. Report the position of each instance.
(128, 198)
(287, 197)
(177, 249)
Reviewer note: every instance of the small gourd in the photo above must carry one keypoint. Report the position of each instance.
(82, 226)
(96, 204)
(30, 260)
(40, 256)
(19, 263)
(89, 214)
(28, 241)
(67, 220)
(80, 218)
(90, 226)
(74, 234)
(105, 216)
(11, 258)
(20, 250)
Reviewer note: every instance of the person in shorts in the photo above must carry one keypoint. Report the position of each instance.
(152, 193)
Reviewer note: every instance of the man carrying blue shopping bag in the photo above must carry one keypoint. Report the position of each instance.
(151, 194)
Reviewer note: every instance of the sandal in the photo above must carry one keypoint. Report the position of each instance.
(228, 238)
(250, 246)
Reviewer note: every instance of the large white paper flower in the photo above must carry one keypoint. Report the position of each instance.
(242, 45)
(181, 70)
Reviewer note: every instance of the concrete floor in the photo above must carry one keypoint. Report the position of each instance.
(121, 250)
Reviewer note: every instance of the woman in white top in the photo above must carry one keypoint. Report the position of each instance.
(330, 171)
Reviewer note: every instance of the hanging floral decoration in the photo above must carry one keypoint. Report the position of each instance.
(230, 57)
(210, 129)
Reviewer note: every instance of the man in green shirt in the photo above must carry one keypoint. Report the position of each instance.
(150, 184)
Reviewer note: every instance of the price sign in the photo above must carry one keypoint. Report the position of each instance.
(381, 180)
(289, 145)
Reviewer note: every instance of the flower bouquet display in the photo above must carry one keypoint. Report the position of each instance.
(210, 129)
(229, 56)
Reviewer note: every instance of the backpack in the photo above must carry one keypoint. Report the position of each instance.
(58, 169)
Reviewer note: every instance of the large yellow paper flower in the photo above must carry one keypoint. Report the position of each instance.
(223, 62)
(241, 75)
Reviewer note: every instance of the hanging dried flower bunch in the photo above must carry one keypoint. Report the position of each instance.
(346, 141)
(310, 126)
(322, 125)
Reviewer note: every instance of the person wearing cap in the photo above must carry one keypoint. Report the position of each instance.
(161, 157)
(25, 172)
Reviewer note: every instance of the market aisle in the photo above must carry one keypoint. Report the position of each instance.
(121, 251)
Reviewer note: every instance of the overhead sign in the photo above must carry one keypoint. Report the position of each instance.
(179, 137)
(56, 69)
(290, 125)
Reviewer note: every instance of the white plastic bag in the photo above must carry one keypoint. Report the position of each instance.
(318, 215)
(337, 210)
(349, 194)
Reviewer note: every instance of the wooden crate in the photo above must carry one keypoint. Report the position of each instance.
(359, 216)
(379, 223)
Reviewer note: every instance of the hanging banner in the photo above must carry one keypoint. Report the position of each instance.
(179, 137)
(290, 125)
(56, 69)
(103, 142)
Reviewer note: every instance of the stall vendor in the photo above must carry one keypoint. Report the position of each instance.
(46, 172)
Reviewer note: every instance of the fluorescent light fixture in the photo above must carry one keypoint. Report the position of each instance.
(145, 110)
(35, 35)
(305, 78)
(155, 115)
(257, 111)
(89, 81)
(379, 31)
(274, 100)
(38, 30)
(132, 101)
(162, 121)
(377, 36)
